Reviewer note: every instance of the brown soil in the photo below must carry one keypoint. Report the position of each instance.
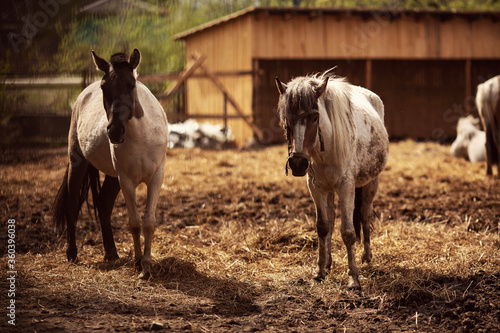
(235, 250)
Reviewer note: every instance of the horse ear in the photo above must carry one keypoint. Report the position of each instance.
(135, 58)
(281, 86)
(100, 63)
(321, 88)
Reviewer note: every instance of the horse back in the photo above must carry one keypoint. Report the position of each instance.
(372, 142)
(374, 100)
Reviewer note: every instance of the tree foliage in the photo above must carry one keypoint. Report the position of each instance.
(151, 33)
(63, 43)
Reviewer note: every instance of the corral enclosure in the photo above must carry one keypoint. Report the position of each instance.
(425, 65)
(235, 247)
(235, 250)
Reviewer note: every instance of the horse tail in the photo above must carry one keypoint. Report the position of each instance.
(356, 219)
(60, 204)
(95, 187)
(59, 209)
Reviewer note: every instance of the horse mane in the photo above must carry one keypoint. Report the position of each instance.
(337, 101)
(121, 60)
(299, 96)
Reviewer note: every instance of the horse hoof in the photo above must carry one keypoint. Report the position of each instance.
(320, 277)
(354, 284)
(366, 258)
(113, 256)
(73, 260)
(72, 257)
(145, 275)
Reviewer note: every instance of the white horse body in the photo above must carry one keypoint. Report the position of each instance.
(336, 135)
(367, 128)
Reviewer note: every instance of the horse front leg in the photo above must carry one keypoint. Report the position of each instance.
(149, 220)
(109, 192)
(134, 219)
(346, 197)
(325, 220)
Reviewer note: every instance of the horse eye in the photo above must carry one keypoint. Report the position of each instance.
(315, 118)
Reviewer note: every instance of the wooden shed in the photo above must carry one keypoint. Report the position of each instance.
(425, 65)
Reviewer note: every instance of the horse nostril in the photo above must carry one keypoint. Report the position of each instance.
(116, 134)
(299, 165)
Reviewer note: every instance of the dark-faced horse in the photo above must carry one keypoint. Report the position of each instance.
(336, 135)
(119, 128)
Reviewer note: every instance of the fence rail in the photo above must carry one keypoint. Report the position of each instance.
(36, 108)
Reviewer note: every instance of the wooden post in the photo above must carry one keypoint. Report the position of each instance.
(225, 114)
(368, 74)
(468, 84)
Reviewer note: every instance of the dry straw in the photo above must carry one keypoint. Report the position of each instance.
(236, 239)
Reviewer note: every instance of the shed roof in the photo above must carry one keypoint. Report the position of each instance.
(390, 14)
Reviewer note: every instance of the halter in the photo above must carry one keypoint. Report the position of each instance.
(289, 139)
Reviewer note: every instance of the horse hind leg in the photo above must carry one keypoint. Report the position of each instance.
(367, 215)
(490, 154)
(107, 196)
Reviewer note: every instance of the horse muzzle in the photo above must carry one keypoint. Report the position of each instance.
(116, 134)
(299, 163)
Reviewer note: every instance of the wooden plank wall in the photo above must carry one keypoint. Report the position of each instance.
(347, 36)
(227, 48)
(422, 98)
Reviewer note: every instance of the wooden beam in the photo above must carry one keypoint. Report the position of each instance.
(158, 77)
(214, 116)
(232, 101)
(368, 74)
(468, 86)
(184, 76)
(174, 76)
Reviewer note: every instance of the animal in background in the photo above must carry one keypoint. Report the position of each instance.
(488, 106)
(336, 135)
(471, 141)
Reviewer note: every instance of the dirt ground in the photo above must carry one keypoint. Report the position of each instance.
(235, 250)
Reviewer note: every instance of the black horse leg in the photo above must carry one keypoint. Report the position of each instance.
(77, 171)
(109, 191)
(368, 216)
